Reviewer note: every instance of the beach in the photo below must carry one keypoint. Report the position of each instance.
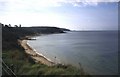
(90, 49)
(39, 58)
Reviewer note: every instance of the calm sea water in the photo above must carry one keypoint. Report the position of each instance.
(96, 51)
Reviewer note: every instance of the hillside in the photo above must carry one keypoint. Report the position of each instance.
(12, 34)
(15, 58)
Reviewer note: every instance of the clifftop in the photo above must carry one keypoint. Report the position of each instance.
(11, 34)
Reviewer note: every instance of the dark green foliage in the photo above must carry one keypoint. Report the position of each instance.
(20, 62)
(64, 29)
(10, 35)
(44, 30)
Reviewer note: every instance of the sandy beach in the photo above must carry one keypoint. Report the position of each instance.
(36, 56)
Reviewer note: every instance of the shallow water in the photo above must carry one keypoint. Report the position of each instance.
(96, 51)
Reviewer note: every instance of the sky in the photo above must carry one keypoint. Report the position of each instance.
(71, 14)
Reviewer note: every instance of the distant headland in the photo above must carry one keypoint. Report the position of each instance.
(17, 60)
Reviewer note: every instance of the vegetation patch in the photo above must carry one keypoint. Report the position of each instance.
(14, 57)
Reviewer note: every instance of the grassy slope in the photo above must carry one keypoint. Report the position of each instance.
(23, 64)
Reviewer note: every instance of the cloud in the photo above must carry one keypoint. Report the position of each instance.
(86, 2)
(23, 5)
(19, 12)
(52, 3)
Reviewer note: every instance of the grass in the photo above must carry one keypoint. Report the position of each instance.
(24, 65)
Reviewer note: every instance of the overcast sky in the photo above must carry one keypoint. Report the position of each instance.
(72, 14)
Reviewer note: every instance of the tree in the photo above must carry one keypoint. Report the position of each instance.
(20, 25)
(1, 25)
(6, 25)
(9, 25)
(16, 26)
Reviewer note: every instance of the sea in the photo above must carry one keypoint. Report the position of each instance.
(95, 51)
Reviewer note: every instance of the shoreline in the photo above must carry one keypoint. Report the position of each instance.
(39, 58)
